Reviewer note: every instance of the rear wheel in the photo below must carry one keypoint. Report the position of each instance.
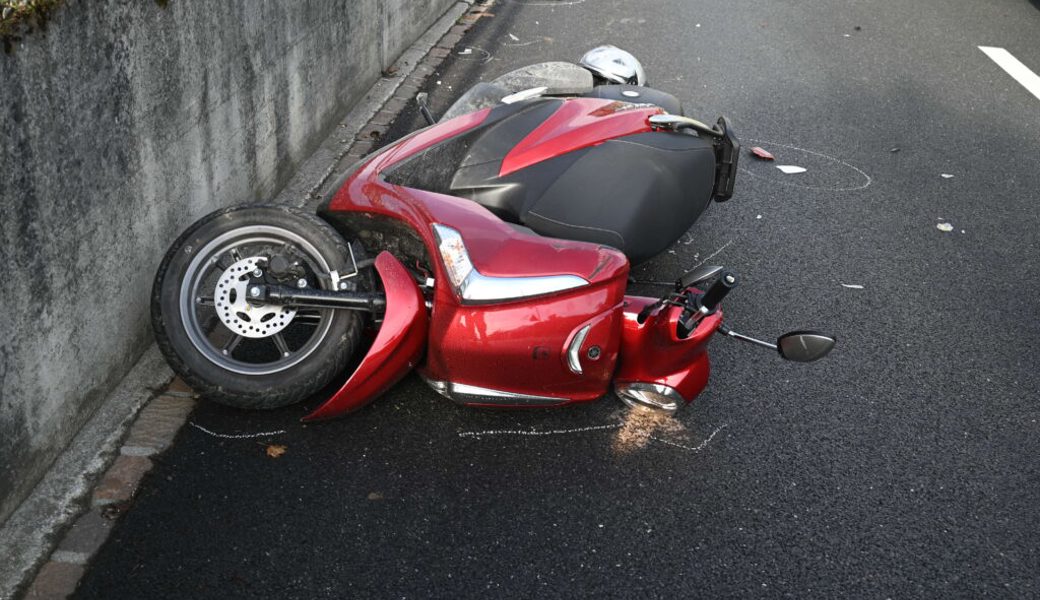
(248, 354)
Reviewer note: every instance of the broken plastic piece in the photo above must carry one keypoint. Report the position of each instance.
(944, 227)
(947, 176)
(790, 169)
(762, 153)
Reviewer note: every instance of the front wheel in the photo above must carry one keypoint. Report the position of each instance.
(247, 354)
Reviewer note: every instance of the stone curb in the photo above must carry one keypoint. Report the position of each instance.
(152, 432)
(160, 420)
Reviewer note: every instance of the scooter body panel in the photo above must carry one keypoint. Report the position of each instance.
(579, 123)
(397, 347)
(653, 352)
(520, 349)
(519, 352)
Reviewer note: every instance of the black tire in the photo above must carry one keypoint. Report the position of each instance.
(218, 374)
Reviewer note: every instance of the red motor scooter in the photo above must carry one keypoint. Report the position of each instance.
(490, 252)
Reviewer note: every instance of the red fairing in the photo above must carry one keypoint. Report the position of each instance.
(499, 346)
(579, 123)
(517, 346)
(495, 248)
(652, 352)
(396, 349)
(521, 347)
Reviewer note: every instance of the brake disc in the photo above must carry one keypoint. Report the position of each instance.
(247, 319)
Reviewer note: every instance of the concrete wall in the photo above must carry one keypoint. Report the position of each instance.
(124, 122)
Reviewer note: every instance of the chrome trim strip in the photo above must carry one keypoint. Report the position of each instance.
(476, 287)
(471, 394)
(573, 358)
(483, 288)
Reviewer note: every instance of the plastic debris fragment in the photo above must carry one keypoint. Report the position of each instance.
(762, 153)
(790, 169)
(945, 227)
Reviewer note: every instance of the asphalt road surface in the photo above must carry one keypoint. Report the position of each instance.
(906, 464)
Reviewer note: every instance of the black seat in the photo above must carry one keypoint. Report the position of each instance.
(638, 193)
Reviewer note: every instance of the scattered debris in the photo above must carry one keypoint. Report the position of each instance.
(790, 169)
(514, 38)
(115, 510)
(640, 424)
(893, 150)
(858, 28)
(375, 496)
(945, 227)
(947, 176)
(759, 217)
(762, 153)
(275, 450)
(466, 51)
(852, 286)
(390, 71)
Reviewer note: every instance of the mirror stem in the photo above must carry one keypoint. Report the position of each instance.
(424, 108)
(725, 330)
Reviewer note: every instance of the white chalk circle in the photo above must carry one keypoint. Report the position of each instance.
(822, 172)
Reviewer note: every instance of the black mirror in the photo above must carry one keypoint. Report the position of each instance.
(804, 346)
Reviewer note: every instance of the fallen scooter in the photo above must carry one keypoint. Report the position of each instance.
(490, 252)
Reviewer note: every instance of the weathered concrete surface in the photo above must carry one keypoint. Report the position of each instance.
(121, 125)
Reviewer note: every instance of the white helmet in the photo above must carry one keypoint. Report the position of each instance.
(614, 65)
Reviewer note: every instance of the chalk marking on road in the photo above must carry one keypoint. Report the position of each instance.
(519, 44)
(478, 434)
(712, 255)
(236, 436)
(786, 181)
(696, 448)
(1014, 67)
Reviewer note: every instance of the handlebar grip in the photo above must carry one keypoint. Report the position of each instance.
(718, 290)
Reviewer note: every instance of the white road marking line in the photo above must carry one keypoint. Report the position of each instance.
(1014, 67)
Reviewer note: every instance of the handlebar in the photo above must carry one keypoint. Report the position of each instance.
(718, 290)
(698, 307)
